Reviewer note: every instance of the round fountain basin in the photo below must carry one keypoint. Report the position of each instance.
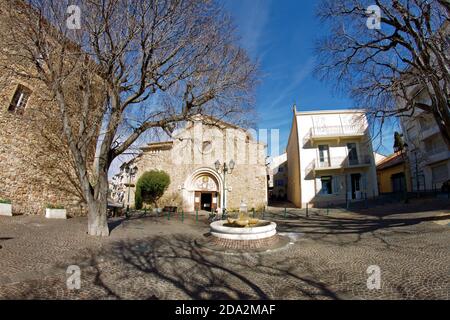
(264, 229)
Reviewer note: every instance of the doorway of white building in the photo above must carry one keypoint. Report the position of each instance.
(356, 186)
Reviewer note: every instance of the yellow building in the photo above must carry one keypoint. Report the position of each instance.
(391, 175)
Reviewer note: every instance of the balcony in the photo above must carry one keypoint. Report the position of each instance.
(427, 132)
(333, 132)
(338, 163)
(437, 155)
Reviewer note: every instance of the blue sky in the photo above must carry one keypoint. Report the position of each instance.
(280, 34)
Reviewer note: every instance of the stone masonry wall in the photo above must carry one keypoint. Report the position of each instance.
(35, 166)
(34, 172)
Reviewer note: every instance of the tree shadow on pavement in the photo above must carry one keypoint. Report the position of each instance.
(332, 225)
(174, 267)
(378, 208)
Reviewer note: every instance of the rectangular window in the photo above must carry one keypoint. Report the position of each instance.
(324, 156)
(352, 154)
(426, 122)
(327, 185)
(20, 99)
(439, 173)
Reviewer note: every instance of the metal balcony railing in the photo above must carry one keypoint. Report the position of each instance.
(333, 131)
(338, 162)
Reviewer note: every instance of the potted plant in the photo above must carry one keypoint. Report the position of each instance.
(55, 212)
(5, 208)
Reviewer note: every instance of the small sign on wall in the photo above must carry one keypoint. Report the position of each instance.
(214, 200)
(197, 199)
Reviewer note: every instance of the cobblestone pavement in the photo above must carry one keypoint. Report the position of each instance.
(156, 258)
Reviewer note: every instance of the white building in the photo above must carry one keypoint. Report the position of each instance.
(119, 185)
(330, 158)
(428, 154)
(278, 177)
(379, 157)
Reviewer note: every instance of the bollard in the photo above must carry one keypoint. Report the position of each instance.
(307, 213)
(253, 213)
(328, 209)
(285, 212)
(196, 215)
(182, 216)
(145, 211)
(168, 215)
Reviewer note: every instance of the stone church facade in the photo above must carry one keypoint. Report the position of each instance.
(189, 159)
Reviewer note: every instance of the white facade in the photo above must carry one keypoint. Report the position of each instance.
(428, 154)
(378, 157)
(119, 186)
(278, 177)
(335, 157)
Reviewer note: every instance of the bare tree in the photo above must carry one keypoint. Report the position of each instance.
(384, 68)
(132, 66)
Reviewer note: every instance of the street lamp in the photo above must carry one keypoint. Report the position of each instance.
(403, 149)
(226, 169)
(129, 171)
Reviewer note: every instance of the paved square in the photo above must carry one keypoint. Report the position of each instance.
(156, 258)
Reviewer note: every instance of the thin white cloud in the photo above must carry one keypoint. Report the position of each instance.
(252, 19)
(300, 75)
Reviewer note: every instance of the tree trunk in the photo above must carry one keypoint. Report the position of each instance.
(97, 219)
(97, 216)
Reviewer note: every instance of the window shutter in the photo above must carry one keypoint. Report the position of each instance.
(364, 182)
(336, 180)
(349, 186)
(318, 185)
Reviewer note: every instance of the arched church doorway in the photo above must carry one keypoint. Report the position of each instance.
(202, 191)
(206, 193)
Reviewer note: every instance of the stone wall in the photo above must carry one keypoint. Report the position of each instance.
(35, 168)
(35, 165)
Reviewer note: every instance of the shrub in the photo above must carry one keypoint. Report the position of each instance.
(150, 187)
(4, 201)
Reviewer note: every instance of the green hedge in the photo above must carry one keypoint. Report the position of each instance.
(150, 187)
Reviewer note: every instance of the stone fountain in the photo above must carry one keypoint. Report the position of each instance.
(243, 228)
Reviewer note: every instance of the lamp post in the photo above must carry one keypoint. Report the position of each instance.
(226, 169)
(130, 171)
(404, 154)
